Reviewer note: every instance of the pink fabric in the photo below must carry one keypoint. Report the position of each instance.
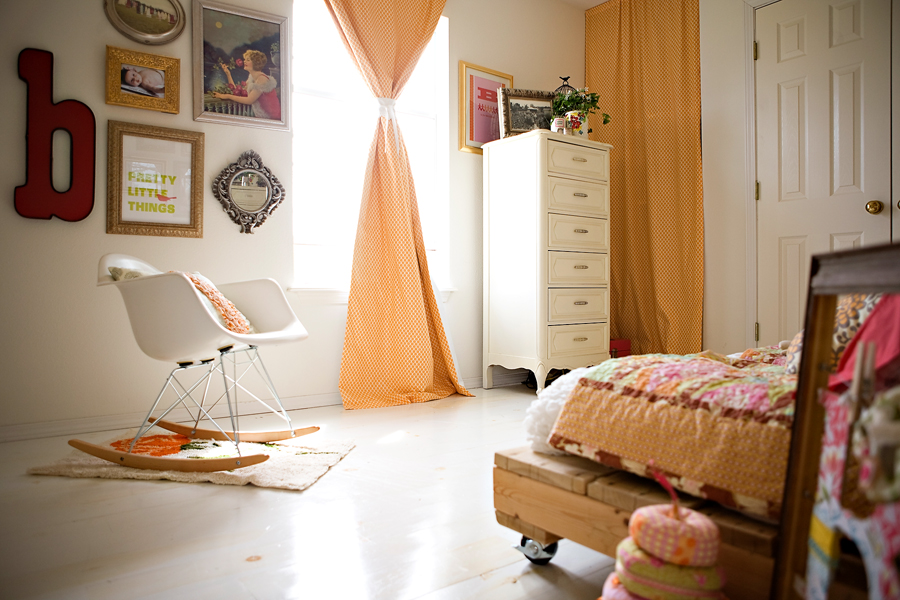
(691, 540)
(614, 590)
(883, 328)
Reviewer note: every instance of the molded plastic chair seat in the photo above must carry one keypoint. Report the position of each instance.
(172, 322)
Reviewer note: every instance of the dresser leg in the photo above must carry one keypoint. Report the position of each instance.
(488, 381)
(540, 376)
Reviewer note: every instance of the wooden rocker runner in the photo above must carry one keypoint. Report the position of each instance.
(194, 338)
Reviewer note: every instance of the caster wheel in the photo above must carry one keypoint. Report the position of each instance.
(536, 552)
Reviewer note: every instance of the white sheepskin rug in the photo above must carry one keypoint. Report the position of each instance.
(292, 464)
(541, 415)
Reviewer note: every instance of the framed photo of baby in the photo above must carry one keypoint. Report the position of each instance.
(241, 66)
(142, 80)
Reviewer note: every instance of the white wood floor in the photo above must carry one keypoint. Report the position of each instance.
(407, 514)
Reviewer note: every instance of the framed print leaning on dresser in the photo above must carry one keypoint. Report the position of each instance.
(479, 107)
(525, 110)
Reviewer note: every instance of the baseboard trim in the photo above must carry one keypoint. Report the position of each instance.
(32, 431)
(46, 429)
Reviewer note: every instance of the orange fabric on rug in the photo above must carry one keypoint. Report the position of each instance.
(395, 347)
(154, 445)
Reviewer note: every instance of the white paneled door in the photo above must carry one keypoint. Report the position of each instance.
(823, 80)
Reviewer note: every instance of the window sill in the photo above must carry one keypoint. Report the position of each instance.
(322, 296)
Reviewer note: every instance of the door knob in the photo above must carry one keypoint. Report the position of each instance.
(873, 207)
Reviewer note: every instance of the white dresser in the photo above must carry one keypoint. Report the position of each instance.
(546, 253)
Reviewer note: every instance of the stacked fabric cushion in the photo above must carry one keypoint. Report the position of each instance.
(667, 558)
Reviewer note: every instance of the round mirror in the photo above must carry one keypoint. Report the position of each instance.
(249, 190)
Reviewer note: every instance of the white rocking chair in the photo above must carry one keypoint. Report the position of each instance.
(171, 322)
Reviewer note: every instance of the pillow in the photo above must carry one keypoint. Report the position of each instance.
(852, 310)
(219, 306)
(792, 358)
(122, 274)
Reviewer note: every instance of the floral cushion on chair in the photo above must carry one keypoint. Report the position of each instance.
(216, 303)
(229, 316)
(852, 310)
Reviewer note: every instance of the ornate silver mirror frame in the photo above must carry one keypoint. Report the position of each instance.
(248, 191)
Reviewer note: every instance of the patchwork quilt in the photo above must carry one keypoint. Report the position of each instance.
(718, 427)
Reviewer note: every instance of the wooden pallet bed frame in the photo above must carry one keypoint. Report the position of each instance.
(548, 498)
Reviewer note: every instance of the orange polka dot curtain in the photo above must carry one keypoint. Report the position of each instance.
(395, 347)
(643, 58)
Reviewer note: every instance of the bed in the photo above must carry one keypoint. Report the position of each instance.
(738, 413)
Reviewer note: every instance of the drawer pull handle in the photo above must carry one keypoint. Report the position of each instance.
(580, 194)
(581, 231)
(579, 159)
(581, 303)
(581, 266)
(580, 339)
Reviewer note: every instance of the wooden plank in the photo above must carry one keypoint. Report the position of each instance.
(527, 529)
(162, 463)
(565, 513)
(806, 444)
(748, 576)
(571, 473)
(246, 436)
(743, 532)
(628, 491)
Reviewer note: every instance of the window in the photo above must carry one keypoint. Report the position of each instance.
(335, 117)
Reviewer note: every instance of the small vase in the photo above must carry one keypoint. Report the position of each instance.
(276, 58)
(558, 125)
(577, 122)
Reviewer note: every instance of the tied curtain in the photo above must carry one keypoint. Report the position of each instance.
(643, 58)
(395, 348)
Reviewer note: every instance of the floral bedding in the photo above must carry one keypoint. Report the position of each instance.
(718, 427)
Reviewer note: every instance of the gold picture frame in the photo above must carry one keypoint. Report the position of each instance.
(524, 110)
(479, 105)
(154, 181)
(142, 80)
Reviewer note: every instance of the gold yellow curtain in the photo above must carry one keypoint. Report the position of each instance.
(395, 347)
(643, 58)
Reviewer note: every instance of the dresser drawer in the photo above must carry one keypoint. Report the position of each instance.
(574, 305)
(577, 196)
(577, 160)
(575, 340)
(578, 233)
(577, 268)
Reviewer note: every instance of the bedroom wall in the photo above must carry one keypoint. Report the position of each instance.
(70, 363)
(723, 106)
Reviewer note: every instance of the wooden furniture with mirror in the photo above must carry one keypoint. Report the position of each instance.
(866, 270)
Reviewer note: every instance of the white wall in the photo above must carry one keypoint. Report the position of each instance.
(69, 355)
(722, 91)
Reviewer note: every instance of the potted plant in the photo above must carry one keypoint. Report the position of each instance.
(575, 106)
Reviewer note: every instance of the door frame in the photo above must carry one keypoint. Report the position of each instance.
(750, 263)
